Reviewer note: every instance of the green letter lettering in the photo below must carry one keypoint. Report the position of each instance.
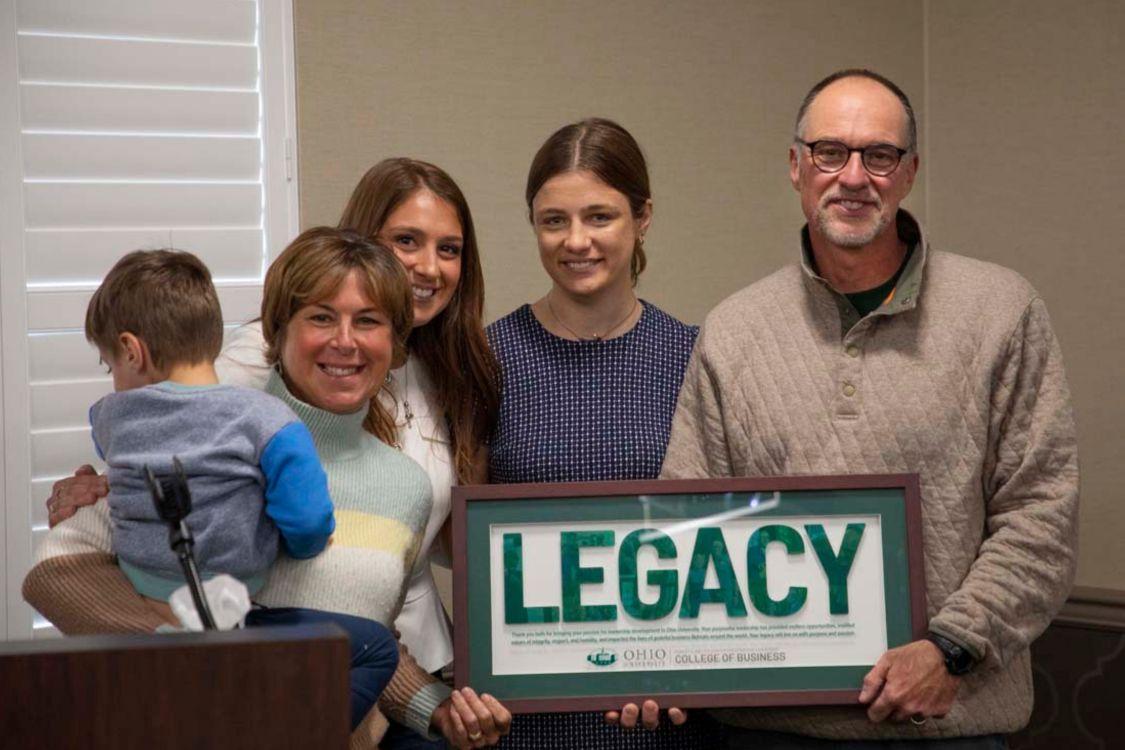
(514, 611)
(710, 546)
(756, 569)
(836, 566)
(574, 575)
(667, 580)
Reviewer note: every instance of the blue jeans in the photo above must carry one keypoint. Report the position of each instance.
(737, 739)
(374, 649)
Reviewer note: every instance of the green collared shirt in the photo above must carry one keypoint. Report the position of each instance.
(903, 297)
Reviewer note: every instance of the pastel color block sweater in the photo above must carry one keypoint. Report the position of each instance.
(382, 502)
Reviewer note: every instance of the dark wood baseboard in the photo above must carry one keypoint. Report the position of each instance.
(1094, 608)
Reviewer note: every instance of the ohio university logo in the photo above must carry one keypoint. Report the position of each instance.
(602, 658)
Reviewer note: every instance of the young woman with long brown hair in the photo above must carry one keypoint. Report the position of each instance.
(439, 405)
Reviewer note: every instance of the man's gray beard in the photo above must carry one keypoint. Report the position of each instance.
(849, 239)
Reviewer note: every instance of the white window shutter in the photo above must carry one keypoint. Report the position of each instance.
(128, 124)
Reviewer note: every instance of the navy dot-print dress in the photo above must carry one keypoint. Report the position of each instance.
(577, 411)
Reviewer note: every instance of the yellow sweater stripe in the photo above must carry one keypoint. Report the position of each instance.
(358, 529)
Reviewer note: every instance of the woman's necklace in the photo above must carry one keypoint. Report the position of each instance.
(406, 410)
(595, 336)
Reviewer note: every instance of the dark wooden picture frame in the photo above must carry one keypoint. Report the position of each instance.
(474, 506)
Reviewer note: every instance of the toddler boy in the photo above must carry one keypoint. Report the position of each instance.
(251, 465)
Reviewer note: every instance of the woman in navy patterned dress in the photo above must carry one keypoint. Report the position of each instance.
(589, 373)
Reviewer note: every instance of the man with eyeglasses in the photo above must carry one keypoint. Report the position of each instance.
(878, 354)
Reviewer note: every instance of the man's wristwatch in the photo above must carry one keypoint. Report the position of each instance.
(958, 660)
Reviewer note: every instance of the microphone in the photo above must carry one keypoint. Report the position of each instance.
(172, 499)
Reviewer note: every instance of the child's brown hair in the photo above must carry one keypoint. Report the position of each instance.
(166, 299)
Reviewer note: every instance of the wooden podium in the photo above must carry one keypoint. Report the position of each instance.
(278, 687)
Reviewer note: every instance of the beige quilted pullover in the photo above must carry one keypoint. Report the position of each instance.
(957, 377)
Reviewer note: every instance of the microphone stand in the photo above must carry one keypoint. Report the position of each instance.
(172, 499)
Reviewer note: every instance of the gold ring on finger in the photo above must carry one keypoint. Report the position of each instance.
(475, 736)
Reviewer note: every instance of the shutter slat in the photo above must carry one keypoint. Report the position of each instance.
(40, 491)
(43, 629)
(61, 256)
(138, 63)
(229, 253)
(86, 109)
(59, 205)
(85, 256)
(58, 452)
(116, 157)
(61, 356)
(60, 310)
(66, 405)
(204, 20)
(240, 303)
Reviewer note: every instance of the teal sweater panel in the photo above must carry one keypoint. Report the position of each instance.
(382, 501)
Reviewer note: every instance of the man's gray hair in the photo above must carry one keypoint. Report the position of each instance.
(911, 123)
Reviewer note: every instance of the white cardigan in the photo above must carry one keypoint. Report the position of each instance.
(423, 624)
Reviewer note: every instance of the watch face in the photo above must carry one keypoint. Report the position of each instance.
(958, 661)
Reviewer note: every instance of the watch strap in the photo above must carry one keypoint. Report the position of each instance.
(958, 660)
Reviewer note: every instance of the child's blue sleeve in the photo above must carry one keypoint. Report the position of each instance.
(297, 491)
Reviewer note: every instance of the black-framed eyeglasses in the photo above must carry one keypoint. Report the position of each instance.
(880, 159)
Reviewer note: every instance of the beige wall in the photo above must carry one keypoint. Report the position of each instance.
(477, 87)
(709, 90)
(1026, 100)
